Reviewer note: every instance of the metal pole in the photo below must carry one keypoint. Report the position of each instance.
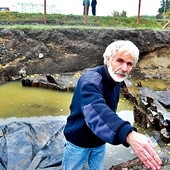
(45, 15)
(138, 20)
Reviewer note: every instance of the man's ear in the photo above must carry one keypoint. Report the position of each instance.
(107, 60)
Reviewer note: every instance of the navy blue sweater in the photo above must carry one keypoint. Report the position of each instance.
(93, 120)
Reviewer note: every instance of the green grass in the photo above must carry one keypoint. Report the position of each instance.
(9, 20)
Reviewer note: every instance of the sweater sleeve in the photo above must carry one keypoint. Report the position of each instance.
(103, 121)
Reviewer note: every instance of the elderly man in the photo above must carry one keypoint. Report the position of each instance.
(93, 120)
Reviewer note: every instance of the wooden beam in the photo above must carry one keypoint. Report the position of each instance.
(166, 24)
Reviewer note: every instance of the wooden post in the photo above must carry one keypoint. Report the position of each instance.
(45, 15)
(85, 11)
(138, 20)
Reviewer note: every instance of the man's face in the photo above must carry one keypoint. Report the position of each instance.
(120, 66)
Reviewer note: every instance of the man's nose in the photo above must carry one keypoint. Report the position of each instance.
(124, 66)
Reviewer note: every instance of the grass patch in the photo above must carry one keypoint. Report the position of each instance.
(36, 21)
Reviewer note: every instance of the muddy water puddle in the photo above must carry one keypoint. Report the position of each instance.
(18, 101)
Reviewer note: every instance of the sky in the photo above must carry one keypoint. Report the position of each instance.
(103, 8)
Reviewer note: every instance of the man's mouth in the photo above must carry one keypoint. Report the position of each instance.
(120, 74)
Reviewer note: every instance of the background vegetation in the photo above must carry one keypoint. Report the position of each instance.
(27, 20)
(116, 20)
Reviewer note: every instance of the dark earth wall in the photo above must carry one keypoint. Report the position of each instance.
(70, 50)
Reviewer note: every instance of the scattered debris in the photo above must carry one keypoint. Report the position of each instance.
(22, 73)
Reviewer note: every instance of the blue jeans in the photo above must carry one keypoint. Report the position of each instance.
(75, 157)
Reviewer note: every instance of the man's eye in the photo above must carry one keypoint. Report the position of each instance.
(120, 60)
(129, 64)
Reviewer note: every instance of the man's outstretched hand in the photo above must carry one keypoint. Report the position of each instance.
(144, 150)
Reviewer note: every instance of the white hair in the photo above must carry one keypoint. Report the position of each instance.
(121, 46)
